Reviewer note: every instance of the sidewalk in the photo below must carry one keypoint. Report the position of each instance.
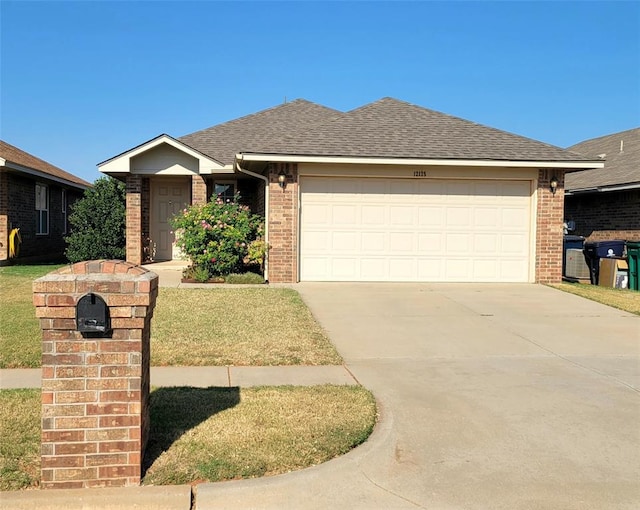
(203, 377)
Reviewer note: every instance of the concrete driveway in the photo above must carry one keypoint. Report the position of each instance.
(491, 396)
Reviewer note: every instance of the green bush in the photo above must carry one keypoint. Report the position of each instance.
(216, 236)
(244, 278)
(98, 223)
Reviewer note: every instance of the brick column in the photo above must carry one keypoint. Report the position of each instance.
(198, 190)
(283, 224)
(549, 231)
(134, 219)
(95, 390)
(4, 215)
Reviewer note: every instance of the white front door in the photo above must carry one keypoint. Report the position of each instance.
(168, 197)
(431, 230)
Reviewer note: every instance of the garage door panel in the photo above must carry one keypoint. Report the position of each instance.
(414, 230)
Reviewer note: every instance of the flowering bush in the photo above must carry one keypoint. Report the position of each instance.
(216, 236)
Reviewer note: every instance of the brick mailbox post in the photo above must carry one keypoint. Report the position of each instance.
(95, 382)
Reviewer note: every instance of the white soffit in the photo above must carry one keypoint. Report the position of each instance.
(424, 162)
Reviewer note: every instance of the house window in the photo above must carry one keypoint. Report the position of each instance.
(64, 211)
(42, 209)
(225, 190)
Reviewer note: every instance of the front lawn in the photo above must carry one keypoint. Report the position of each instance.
(624, 299)
(237, 326)
(212, 434)
(217, 326)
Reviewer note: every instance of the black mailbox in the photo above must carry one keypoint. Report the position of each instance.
(92, 314)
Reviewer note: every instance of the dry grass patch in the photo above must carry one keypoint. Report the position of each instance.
(252, 432)
(623, 299)
(237, 326)
(19, 439)
(210, 434)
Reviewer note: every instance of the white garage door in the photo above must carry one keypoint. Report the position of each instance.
(414, 230)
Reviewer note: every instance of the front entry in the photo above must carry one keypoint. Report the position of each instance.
(168, 197)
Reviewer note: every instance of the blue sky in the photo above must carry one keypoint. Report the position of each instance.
(84, 81)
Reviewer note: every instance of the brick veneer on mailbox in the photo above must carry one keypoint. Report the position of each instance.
(95, 391)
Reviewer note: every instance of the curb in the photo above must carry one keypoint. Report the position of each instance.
(170, 497)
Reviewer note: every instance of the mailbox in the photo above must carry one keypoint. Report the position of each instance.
(92, 315)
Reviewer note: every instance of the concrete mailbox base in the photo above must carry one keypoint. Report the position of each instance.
(95, 385)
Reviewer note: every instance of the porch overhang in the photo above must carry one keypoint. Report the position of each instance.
(163, 155)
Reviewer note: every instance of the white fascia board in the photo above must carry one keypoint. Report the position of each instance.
(41, 175)
(603, 189)
(581, 165)
(121, 163)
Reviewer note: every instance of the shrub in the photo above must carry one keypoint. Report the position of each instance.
(244, 278)
(98, 223)
(216, 236)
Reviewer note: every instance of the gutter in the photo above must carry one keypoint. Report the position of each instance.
(603, 189)
(238, 159)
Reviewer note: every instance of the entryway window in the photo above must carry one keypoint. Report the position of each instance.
(225, 190)
(42, 209)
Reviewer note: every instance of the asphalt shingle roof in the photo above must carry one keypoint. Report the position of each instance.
(224, 141)
(19, 157)
(387, 128)
(620, 167)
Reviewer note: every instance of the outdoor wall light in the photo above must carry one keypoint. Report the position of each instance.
(553, 184)
(282, 179)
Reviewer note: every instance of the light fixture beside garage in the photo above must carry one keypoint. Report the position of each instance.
(282, 179)
(553, 184)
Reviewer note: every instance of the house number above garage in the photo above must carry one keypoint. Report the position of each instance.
(419, 173)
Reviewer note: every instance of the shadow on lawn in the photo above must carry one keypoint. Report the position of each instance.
(176, 410)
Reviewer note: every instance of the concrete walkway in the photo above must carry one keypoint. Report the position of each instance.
(203, 377)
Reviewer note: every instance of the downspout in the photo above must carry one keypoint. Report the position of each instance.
(266, 209)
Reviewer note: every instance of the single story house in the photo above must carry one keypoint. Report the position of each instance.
(35, 197)
(604, 204)
(390, 191)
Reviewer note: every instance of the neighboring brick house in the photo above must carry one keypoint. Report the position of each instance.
(35, 197)
(389, 191)
(604, 203)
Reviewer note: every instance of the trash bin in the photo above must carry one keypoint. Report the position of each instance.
(570, 242)
(595, 250)
(633, 253)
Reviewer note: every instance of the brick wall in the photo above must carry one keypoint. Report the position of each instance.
(4, 218)
(198, 190)
(95, 391)
(134, 219)
(549, 229)
(605, 216)
(283, 224)
(21, 213)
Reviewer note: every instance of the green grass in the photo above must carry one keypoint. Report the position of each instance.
(19, 439)
(217, 326)
(623, 299)
(20, 335)
(212, 434)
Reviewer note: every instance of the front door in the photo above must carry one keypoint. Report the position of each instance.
(168, 197)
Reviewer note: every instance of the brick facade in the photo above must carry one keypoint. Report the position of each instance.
(18, 210)
(198, 190)
(134, 219)
(549, 228)
(95, 391)
(605, 216)
(283, 224)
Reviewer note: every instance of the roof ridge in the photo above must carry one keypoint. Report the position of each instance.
(299, 100)
(610, 135)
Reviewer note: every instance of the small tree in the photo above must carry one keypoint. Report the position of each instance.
(98, 223)
(216, 236)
